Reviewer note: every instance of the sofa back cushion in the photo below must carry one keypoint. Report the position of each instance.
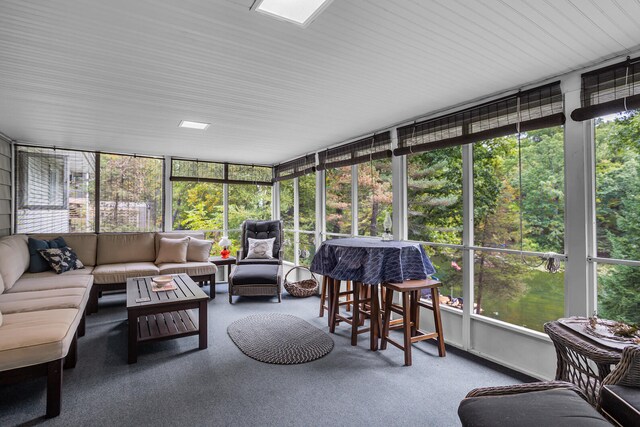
(172, 250)
(116, 248)
(83, 244)
(14, 258)
(177, 235)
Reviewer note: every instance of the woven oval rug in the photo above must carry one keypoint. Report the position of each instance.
(279, 338)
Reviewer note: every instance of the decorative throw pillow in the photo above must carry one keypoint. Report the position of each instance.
(61, 259)
(37, 264)
(199, 250)
(172, 250)
(260, 248)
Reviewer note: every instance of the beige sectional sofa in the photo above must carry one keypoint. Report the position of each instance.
(42, 314)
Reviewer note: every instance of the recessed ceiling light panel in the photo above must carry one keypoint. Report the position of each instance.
(193, 125)
(300, 12)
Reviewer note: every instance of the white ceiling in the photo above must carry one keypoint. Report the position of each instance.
(119, 75)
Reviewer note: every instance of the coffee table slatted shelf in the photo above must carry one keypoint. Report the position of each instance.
(167, 315)
(167, 325)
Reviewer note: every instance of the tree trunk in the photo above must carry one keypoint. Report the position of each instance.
(373, 228)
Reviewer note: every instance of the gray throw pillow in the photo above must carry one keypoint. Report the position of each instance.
(260, 248)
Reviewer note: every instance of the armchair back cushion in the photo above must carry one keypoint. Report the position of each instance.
(262, 230)
(114, 248)
(83, 244)
(14, 258)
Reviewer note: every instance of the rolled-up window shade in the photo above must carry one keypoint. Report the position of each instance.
(536, 108)
(609, 90)
(229, 173)
(372, 148)
(294, 168)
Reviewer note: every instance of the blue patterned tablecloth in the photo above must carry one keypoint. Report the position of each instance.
(372, 261)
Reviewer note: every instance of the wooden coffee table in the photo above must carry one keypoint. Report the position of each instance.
(167, 314)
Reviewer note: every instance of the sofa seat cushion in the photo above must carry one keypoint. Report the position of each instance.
(52, 281)
(255, 274)
(620, 403)
(86, 271)
(190, 268)
(36, 337)
(119, 273)
(19, 302)
(556, 407)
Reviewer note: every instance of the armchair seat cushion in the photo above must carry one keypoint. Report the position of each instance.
(255, 274)
(272, 261)
(621, 403)
(555, 407)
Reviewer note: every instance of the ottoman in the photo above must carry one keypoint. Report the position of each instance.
(256, 280)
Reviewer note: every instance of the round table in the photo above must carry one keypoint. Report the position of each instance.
(369, 262)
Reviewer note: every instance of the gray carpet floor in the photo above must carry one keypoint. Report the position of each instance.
(174, 383)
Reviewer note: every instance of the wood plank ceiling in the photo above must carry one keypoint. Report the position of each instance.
(119, 75)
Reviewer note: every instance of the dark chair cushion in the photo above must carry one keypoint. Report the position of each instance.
(548, 408)
(255, 274)
(273, 261)
(621, 403)
(262, 230)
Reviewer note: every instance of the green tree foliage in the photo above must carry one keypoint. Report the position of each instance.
(130, 193)
(618, 215)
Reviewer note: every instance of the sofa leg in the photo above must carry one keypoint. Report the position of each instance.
(82, 327)
(93, 300)
(279, 297)
(72, 356)
(212, 287)
(230, 298)
(54, 388)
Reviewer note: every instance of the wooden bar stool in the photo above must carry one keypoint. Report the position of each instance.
(323, 296)
(364, 305)
(410, 311)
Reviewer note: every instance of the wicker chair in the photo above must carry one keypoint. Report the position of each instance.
(256, 277)
(619, 397)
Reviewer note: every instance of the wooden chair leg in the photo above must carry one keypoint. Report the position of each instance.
(374, 320)
(54, 388)
(437, 319)
(388, 299)
(406, 327)
(413, 296)
(357, 288)
(348, 290)
(323, 295)
(334, 299)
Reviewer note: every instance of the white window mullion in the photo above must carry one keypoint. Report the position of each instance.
(296, 222)
(354, 200)
(467, 241)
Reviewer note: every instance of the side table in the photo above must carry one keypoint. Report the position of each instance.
(219, 261)
(581, 360)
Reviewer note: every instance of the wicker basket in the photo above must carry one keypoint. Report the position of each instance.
(303, 288)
